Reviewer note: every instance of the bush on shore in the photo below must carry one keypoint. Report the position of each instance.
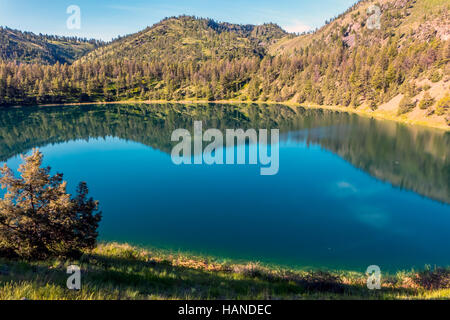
(406, 105)
(39, 219)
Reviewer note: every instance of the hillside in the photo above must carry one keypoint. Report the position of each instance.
(187, 38)
(400, 71)
(28, 47)
(406, 19)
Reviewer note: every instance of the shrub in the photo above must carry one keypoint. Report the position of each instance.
(39, 219)
(410, 89)
(373, 105)
(406, 105)
(301, 98)
(443, 105)
(426, 102)
(433, 279)
(436, 76)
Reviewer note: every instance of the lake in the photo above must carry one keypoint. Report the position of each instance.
(350, 191)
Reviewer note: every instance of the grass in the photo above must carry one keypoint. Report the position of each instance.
(120, 271)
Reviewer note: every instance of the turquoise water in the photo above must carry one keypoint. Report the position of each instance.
(350, 192)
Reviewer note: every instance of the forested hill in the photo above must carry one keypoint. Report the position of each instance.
(401, 69)
(186, 38)
(28, 47)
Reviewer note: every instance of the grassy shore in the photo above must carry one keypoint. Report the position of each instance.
(120, 271)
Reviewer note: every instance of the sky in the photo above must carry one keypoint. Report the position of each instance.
(107, 19)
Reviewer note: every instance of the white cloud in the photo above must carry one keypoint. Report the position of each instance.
(297, 26)
(346, 186)
(373, 217)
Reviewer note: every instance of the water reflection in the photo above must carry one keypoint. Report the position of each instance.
(412, 158)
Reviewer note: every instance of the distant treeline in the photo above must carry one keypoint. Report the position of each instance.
(318, 73)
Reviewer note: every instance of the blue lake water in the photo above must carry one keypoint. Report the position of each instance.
(350, 192)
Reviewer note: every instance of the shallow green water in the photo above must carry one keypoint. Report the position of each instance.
(350, 192)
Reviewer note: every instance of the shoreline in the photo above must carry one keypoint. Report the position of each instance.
(365, 112)
(115, 271)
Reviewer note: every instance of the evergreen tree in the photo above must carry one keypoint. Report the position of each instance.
(39, 219)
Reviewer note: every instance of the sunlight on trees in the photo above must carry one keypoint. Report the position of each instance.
(39, 219)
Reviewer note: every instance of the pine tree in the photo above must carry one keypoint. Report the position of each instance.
(39, 219)
(427, 101)
(406, 105)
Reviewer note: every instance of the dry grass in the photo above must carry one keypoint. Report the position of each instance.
(120, 271)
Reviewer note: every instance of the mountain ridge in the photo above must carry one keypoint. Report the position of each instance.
(190, 38)
(27, 47)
